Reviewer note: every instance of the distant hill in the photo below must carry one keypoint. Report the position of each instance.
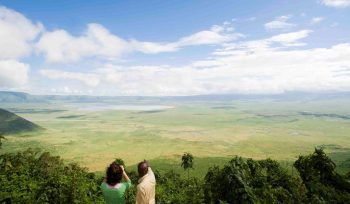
(17, 97)
(20, 97)
(11, 123)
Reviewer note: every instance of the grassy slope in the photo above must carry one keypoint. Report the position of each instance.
(11, 123)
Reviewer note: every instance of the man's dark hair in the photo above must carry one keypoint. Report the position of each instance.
(114, 174)
(142, 168)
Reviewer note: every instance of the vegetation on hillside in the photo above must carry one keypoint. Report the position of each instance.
(11, 123)
(33, 176)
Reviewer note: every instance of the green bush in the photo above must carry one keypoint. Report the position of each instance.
(249, 181)
(323, 184)
(33, 176)
(171, 188)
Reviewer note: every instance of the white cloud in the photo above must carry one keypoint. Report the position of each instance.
(153, 48)
(271, 71)
(60, 46)
(264, 45)
(257, 66)
(151, 80)
(16, 34)
(90, 79)
(336, 3)
(216, 35)
(279, 23)
(206, 63)
(316, 20)
(13, 74)
(276, 71)
(290, 39)
(97, 41)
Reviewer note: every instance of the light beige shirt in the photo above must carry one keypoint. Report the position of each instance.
(146, 190)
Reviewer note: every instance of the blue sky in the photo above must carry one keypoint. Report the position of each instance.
(174, 47)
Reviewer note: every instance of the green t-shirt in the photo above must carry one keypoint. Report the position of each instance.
(115, 195)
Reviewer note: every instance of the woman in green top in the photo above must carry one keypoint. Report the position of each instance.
(112, 188)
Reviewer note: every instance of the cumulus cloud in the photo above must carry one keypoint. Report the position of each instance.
(266, 65)
(290, 39)
(336, 3)
(16, 34)
(264, 45)
(277, 70)
(153, 48)
(60, 46)
(253, 71)
(216, 35)
(13, 74)
(279, 23)
(271, 71)
(90, 79)
(151, 80)
(97, 41)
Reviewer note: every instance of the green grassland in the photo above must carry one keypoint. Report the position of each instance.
(214, 132)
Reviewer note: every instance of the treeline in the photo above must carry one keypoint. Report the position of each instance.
(33, 176)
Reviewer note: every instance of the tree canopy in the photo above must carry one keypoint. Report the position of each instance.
(34, 176)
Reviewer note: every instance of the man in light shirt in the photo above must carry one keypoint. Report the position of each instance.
(146, 189)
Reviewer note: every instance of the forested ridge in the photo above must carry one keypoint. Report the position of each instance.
(34, 176)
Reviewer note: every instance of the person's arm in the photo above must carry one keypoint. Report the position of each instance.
(125, 176)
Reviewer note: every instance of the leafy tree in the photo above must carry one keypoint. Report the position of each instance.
(249, 181)
(187, 162)
(171, 188)
(33, 176)
(323, 184)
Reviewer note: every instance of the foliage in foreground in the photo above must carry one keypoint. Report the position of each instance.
(249, 181)
(320, 178)
(187, 162)
(33, 176)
